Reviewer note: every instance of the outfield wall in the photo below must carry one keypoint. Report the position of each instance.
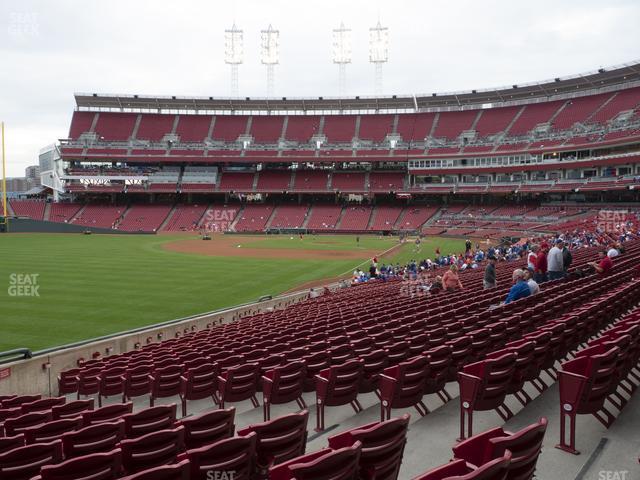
(38, 375)
(28, 225)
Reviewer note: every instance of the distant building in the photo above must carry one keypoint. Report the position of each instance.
(32, 174)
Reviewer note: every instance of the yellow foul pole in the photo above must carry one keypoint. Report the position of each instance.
(4, 181)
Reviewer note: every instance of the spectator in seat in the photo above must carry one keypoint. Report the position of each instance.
(489, 280)
(533, 285)
(613, 252)
(605, 264)
(532, 256)
(567, 258)
(450, 279)
(541, 264)
(555, 261)
(520, 288)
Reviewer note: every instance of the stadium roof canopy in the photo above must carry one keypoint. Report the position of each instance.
(603, 80)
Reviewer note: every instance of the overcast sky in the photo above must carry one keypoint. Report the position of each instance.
(51, 49)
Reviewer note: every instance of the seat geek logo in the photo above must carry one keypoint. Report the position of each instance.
(24, 285)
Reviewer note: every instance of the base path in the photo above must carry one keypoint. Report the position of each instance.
(231, 246)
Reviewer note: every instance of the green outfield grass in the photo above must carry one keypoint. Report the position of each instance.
(90, 286)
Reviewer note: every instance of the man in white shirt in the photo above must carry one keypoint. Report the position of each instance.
(555, 261)
(613, 252)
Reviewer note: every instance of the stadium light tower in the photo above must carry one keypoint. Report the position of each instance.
(378, 53)
(233, 54)
(342, 54)
(270, 55)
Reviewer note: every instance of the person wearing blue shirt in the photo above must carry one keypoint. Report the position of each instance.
(520, 288)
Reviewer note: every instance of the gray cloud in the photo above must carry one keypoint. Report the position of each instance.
(49, 50)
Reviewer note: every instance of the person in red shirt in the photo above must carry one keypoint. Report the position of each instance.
(540, 274)
(605, 264)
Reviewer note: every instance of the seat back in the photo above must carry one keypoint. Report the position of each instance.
(165, 381)
(497, 469)
(50, 431)
(382, 446)
(97, 466)
(202, 381)
(42, 404)
(152, 450)
(24, 463)
(178, 471)
(343, 382)
(72, 409)
(240, 382)
(112, 381)
(208, 427)
(525, 446)
(9, 443)
(100, 437)
(409, 383)
(280, 439)
(68, 381)
(110, 413)
(149, 420)
(494, 376)
(137, 380)
(439, 360)
(341, 464)
(230, 455)
(285, 382)
(15, 425)
(16, 401)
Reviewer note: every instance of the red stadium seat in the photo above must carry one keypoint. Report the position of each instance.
(165, 382)
(198, 383)
(283, 384)
(68, 381)
(327, 464)
(278, 440)
(16, 401)
(50, 431)
(402, 386)
(239, 383)
(208, 427)
(24, 463)
(497, 469)
(97, 466)
(71, 409)
(9, 443)
(235, 455)
(149, 420)
(584, 386)
(101, 437)
(483, 386)
(15, 425)
(525, 446)
(155, 449)
(42, 404)
(338, 385)
(110, 413)
(178, 471)
(382, 447)
(137, 381)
